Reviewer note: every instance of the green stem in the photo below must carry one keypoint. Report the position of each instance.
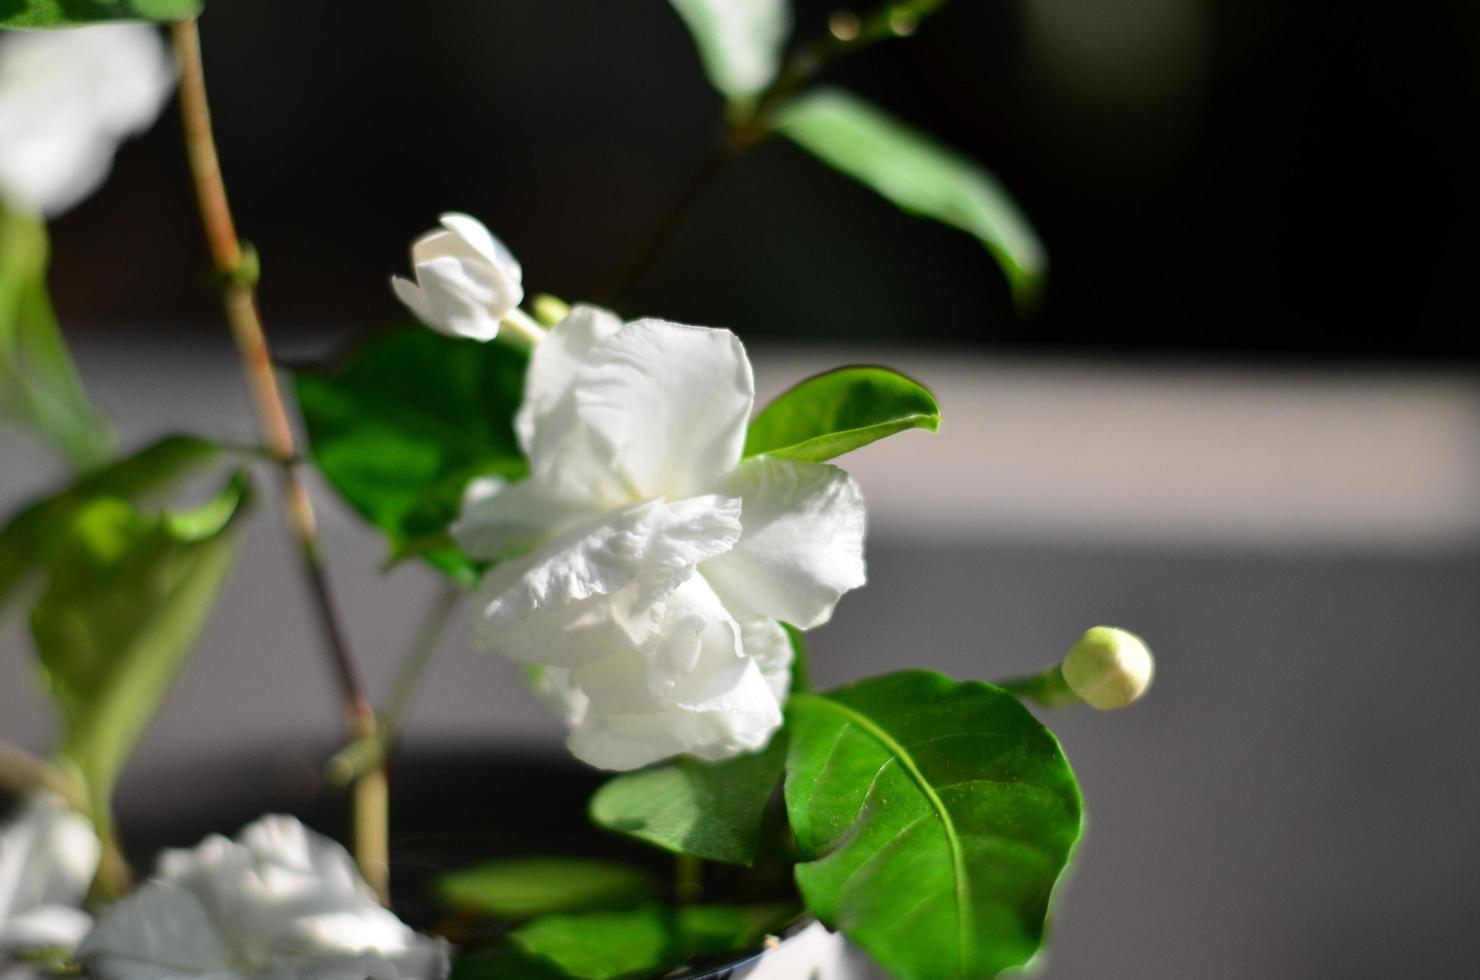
(1047, 688)
(688, 880)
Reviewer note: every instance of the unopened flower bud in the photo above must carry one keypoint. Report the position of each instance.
(1108, 668)
(466, 280)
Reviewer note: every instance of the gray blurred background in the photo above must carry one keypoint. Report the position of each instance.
(1245, 422)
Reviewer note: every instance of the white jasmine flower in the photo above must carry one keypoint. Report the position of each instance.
(48, 856)
(1108, 668)
(279, 902)
(67, 99)
(645, 568)
(466, 280)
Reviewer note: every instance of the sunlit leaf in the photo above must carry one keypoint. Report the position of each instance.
(920, 176)
(39, 386)
(403, 427)
(710, 810)
(63, 13)
(740, 42)
(839, 411)
(517, 888)
(934, 819)
(32, 534)
(128, 596)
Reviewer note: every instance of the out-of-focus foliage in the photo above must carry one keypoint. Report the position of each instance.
(840, 411)
(65, 13)
(518, 888)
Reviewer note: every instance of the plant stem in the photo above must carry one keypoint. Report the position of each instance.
(1047, 688)
(688, 880)
(22, 773)
(236, 268)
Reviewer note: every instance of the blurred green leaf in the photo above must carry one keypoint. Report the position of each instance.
(62, 13)
(517, 888)
(839, 411)
(920, 176)
(740, 42)
(32, 534)
(403, 427)
(935, 818)
(641, 943)
(39, 386)
(710, 810)
(127, 599)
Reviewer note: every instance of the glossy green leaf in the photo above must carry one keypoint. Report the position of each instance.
(839, 411)
(128, 596)
(39, 386)
(29, 538)
(403, 427)
(919, 175)
(517, 888)
(63, 13)
(710, 810)
(740, 42)
(643, 942)
(934, 819)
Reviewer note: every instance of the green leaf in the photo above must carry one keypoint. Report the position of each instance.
(128, 596)
(402, 428)
(62, 13)
(838, 411)
(517, 888)
(934, 817)
(643, 942)
(740, 42)
(39, 385)
(28, 540)
(920, 176)
(709, 810)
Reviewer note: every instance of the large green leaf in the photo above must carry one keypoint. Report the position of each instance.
(29, 538)
(63, 13)
(643, 942)
(403, 427)
(39, 386)
(128, 596)
(920, 176)
(934, 817)
(517, 888)
(839, 411)
(740, 42)
(710, 810)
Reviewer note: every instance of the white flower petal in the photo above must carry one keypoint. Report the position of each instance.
(410, 294)
(67, 98)
(546, 422)
(501, 520)
(161, 925)
(465, 297)
(48, 855)
(670, 404)
(602, 587)
(483, 242)
(803, 542)
(766, 642)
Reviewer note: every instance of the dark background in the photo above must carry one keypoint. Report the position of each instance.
(1256, 178)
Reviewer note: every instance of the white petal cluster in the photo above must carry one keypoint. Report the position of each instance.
(644, 568)
(278, 903)
(67, 99)
(466, 280)
(48, 856)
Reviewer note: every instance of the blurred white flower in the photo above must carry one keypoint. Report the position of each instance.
(48, 856)
(1108, 668)
(67, 99)
(662, 566)
(466, 280)
(740, 41)
(279, 902)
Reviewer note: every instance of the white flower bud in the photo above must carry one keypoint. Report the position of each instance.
(1108, 668)
(466, 280)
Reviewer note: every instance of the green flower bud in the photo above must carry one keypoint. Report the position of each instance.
(1108, 668)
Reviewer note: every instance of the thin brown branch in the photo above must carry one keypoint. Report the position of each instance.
(239, 301)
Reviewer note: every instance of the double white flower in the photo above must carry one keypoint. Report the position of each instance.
(279, 903)
(48, 856)
(645, 567)
(67, 99)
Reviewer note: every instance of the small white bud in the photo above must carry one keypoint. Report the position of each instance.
(1108, 668)
(467, 282)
